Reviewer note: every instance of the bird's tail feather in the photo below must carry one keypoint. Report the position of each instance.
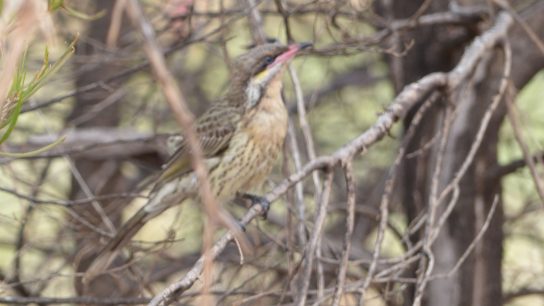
(108, 253)
(156, 205)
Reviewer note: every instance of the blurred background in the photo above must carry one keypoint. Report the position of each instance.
(84, 123)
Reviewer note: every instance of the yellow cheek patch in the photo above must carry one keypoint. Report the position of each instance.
(261, 75)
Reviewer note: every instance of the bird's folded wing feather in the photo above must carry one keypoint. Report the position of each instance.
(215, 129)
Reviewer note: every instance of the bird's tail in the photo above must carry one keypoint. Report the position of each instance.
(108, 253)
(159, 202)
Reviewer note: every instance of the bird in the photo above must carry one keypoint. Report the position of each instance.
(241, 136)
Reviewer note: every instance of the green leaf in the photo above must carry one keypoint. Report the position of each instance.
(12, 120)
(20, 91)
(35, 152)
(83, 16)
(54, 5)
(46, 70)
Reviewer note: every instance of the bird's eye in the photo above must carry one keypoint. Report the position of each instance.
(268, 60)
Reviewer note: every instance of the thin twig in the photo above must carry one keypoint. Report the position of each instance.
(350, 224)
(513, 117)
(310, 250)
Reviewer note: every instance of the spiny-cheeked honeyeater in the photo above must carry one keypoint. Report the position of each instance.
(241, 137)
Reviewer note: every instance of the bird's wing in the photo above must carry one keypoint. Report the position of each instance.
(215, 129)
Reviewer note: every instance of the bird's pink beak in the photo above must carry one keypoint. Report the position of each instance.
(290, 53)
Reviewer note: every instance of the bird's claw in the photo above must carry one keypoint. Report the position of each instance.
(242, 227)
(257, 200)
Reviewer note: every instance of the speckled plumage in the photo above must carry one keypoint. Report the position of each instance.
(240, 145)
(254, 147)
(240, 139)
(217, 126)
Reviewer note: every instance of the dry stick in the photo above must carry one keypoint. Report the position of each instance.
(386, 197)
(406, 99)
(512, 166)
(86, 300)
(187, 281)
(223, 37)
(299, 211)
(398, 268)
(94, 144)
(513, 117)
(474, 242)
(418, 117)
(384, 215)
(421, 10)
(350, 224)
(530, 32)
(438, 166)
(305, 127)
(84, 221)
(398, 262)
(521, 292)
(115, 24)
(320, 273)
(285, 15)
(256, 23)
(426, 264)
(89, 194)
(310, 250)
(299, 187)
(98, 108)
(310, 148)
(363, 42)
(408, 257)
(185, 119)
(69, 203)
(21, 235)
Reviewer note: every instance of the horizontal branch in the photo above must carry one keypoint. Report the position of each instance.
(19, 300)
(509, 296)
(97, 143)
(513, 166)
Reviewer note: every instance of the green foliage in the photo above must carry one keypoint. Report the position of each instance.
(21, 91)
(55, 5)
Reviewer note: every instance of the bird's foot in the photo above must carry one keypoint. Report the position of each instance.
(258, 200)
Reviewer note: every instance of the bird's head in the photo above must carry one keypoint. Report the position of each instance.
(254, 70)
